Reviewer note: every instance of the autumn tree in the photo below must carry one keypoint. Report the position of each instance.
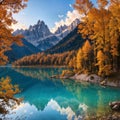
(79, 60)
(7, 9)
(7, 92)
(101, 24)
(115, 33)
(104, 70)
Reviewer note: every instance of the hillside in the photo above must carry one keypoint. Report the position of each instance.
(72, 41)
(18, 52)
(38, 35)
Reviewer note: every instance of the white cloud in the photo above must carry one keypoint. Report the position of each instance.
(70, 5)
(18, 26)
(60, 16)
(70, 17)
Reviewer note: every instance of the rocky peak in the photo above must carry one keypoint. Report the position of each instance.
(63, 31)
(60, 29)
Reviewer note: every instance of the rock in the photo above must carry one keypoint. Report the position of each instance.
(55, 76)
(103, 83)
(115, 117)
(109, 117)
(115, 105)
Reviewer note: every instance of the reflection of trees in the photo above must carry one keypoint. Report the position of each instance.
(42, 89)
(38, 73)
(101, 107)
(94, 96)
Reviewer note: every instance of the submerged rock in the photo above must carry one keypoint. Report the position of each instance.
(115, 105)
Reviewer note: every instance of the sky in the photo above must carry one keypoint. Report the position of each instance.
(53, 12)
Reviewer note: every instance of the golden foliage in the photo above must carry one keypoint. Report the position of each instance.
(67, 73)
(46, 59)
(101, 25)
(7, 90)
(7, 9)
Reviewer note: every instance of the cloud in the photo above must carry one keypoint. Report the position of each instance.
(60, 16)
(18, 25)
(70, 17)
(70, 5)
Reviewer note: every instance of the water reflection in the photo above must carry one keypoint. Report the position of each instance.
(56, 99)
(39, 73)
(52, 110)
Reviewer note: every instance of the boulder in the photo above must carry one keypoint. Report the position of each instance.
(115, 105)
(103, 83)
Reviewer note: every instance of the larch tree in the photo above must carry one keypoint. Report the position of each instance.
(101, 24)
(115, 33)
(79, 60)
(7, 9)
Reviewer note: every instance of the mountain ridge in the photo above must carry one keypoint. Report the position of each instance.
(40, 36)
(72, 41)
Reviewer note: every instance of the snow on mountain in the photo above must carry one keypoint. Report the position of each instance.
(36, 33)
(63, 31)
(40, 36)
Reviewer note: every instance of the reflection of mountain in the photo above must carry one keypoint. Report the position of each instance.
(38, 89)
(45, 89)
(52, 111)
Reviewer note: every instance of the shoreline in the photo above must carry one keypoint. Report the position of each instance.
(39, 66)
(92, 78)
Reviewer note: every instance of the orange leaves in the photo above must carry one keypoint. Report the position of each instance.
(83, 6)
(7, 8)
(101, 25)
(86, 49)
(7, 90)
(104, 69)
(102, 3)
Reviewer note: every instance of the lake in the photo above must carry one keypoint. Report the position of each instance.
(56, 99)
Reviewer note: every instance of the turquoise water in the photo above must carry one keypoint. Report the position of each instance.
(54, 99)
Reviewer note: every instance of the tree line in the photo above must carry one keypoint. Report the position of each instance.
(100, 26)
(46, 59)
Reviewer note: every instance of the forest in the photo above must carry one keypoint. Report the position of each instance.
(100, 28)
(61, 59)
(99, 54)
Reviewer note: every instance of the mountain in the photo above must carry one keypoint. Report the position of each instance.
(47, 43)
(72, 41)
(18, 52)
(63, 31)
(39, 35)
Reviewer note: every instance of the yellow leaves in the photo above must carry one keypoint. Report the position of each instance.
(102, 3)
(7, 90)
(104, 68)
(79, 59)
(7, 8)
(83, 6)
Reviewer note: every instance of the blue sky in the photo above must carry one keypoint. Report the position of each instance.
(52, 12)
(49, 11)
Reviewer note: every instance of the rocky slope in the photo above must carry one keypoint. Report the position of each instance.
(63, 31)
(39, 35)
(72, 41)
